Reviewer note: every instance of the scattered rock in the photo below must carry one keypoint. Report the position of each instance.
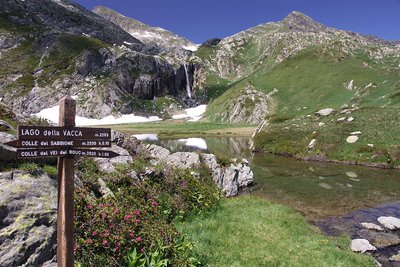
(311, 145)
(350, 119)
(391, 223)
(349, 85)
(371, 226)
(352, 139)
(351, 174)
(370, 145)
(341, 119)
(321, 124)
(361, 245)
(355, 180)
(355, 133)
(28, 207)
(325, 185)
(325, 112)
(379, 239)
(108, 165)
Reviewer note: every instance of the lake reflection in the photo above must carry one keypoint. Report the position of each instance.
(318, 190)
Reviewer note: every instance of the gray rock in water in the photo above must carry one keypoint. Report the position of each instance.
(230, 181)
(245, 174)
(361, 245)
(395, 257)
(28, 207)
(108, 165)
(379, 239)
(391, 223)
(211, 161)
(371, 226)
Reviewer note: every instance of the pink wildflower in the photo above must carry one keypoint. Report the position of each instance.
(116, 210)
(105, 242)
(154, 203)
(90, 206)
(127, 217)
(138, 239)
(94, 233)
(137, 212)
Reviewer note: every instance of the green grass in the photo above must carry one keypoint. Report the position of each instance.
(378, 126)
(177, 128)
(249, 231)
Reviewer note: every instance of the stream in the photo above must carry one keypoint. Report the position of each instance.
(334, 197)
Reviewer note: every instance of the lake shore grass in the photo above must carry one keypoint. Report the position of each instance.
(250, 231)
(177, 129)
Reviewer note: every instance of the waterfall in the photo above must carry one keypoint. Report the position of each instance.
(188, 89)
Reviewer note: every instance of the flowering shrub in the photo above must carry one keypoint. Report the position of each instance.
(140, 216)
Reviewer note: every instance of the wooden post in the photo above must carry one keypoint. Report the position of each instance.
(65, 214)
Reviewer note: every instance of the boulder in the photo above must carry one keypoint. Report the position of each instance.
(184, 160)
(391, 223)
(108, 165)
(158, 152)
(28, 208)
(361, 245)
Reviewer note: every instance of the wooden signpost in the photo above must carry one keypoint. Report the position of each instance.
(65, 142)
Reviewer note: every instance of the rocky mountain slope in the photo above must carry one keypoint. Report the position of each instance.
(295, 63)
(157, 40)
(52, 48)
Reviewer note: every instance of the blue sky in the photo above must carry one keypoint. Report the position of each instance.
(203, 19)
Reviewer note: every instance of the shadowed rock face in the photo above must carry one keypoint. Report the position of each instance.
(28, 207)
(63, 16)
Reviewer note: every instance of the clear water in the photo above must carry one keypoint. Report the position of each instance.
(318, 190)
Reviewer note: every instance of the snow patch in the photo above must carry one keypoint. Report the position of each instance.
(194, 114)
(195, 142)
(146, 137)
(51, 114)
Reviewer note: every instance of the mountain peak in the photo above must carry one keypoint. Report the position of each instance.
(301, 22)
